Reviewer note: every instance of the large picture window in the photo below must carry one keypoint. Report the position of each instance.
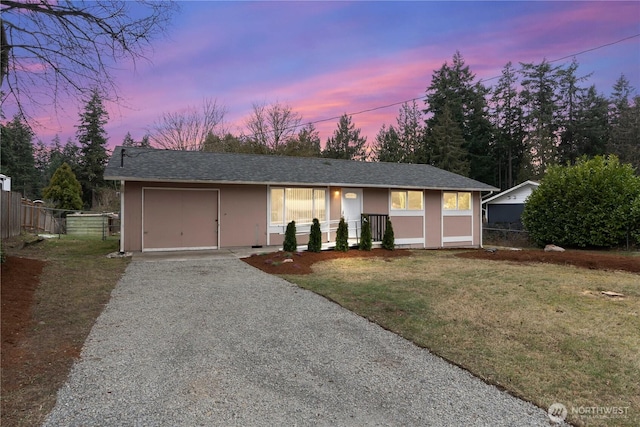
(301, 205)
(457, 201)
(406, 200)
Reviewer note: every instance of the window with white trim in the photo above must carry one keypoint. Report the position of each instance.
(406, 200)
(301, 205)
(456, 201)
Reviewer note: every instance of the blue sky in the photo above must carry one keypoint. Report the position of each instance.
(328, 58)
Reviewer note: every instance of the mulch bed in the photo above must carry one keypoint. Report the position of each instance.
(274, 262)
(590, 260)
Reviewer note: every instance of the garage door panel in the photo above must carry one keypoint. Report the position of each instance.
(199, 214)
(179, 219)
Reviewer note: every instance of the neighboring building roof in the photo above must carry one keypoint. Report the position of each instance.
(143, 164)
(511, 195)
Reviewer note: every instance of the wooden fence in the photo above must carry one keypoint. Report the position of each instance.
(10, 214)
(38, 219)
(19, 214)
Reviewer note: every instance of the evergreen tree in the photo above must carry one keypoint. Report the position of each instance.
(130, 142)
(625, 136)
(64, 189)
(366, 240)
(315, 237)
(290, 241)
(588, 132)
(386, 147)
(305, 144)
(388, 239)
(346, 142)
(410, 134)
(541, 108)
(17, 157)
(624, 140)
(452, 88)
(506, 117)
(48, 158)
(93, 146)
(342, 236)
(446, 145)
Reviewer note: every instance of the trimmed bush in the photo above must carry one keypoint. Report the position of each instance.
(388, 240)
(589, 204)
(290, 242)
(342, 236)
(315, 237)
(366, 241)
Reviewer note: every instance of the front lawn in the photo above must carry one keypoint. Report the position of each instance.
(544, 332)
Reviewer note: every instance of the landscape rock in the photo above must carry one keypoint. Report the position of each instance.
(553, 248)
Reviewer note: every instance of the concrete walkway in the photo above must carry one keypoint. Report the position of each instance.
(215, 342)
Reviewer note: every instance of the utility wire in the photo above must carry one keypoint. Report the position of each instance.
(382, 107)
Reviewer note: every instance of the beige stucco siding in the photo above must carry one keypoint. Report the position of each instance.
(454, 226)
(433, 218)
(407, 227)
(243, 215)
(375, 201)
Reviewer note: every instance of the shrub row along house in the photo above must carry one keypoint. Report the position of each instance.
(186, 200)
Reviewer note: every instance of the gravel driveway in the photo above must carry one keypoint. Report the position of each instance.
(217, 342)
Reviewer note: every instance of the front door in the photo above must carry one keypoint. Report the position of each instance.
(352, 210)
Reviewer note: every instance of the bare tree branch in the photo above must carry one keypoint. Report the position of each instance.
(50, 49)
(273, 125)
(189, 128)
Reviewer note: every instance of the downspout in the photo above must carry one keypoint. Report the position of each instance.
(122, 217)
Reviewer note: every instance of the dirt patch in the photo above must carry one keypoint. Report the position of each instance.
(583, 259)
(301, 262)
(19, 282)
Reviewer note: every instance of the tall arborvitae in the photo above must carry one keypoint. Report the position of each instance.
(342, 236)
(290, 242)
(315, 237)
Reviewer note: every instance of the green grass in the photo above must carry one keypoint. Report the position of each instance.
(543, 332)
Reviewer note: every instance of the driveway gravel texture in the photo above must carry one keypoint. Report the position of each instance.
(215, 342)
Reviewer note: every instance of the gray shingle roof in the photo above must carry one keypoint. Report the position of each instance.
(143, 164)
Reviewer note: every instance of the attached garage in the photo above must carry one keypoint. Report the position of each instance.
(175, 218)
(188, 200)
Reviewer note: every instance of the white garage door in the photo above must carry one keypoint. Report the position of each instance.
(174, 219)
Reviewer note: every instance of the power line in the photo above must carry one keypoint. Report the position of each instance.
(382, 107)
(481, 80)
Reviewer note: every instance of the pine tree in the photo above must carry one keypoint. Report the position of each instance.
(386, 147)
(290, 242)
(624, 140)
(452, 88)
(342, 236)
(315, 237)
(366, 241)
(346, 142)
(446, 145)
(541, 102)
(388, 239)
(64, 189)
(93, 146)
(17, 157)
(506, 116)
(410, 134)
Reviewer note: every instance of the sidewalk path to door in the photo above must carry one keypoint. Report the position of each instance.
(215, 342)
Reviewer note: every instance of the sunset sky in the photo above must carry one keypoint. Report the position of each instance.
(328, 58)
